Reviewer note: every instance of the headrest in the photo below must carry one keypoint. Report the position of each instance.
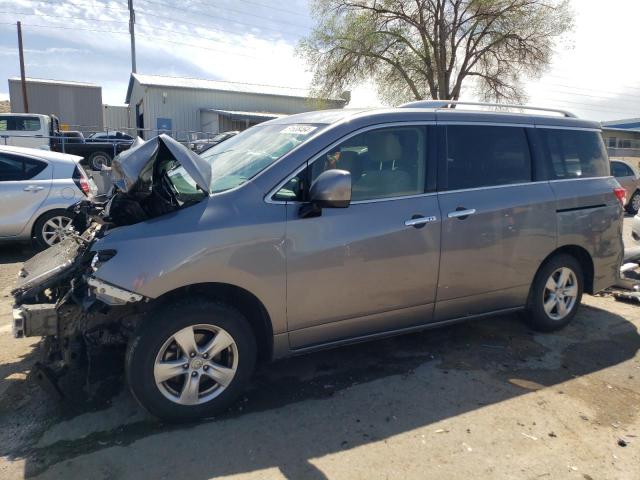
(384, 147)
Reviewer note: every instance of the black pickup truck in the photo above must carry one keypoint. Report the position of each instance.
(95, 151)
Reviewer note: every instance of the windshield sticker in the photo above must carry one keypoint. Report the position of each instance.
(299, 129)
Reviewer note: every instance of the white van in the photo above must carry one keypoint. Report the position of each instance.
(25, 130)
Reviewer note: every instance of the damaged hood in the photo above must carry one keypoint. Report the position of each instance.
(135, 165)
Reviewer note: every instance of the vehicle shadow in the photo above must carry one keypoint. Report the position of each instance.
(303, 408)
(14, 252)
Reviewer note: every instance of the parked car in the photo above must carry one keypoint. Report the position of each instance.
(36, 188)
(627, 175)
(203, 144)
(112, 136)
(72, 136)
(325, 228)
(43, 131)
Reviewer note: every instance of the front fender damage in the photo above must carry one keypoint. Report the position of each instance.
(57, 296)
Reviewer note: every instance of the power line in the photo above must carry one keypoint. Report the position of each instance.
(64, 17)
(215, 17)
(143, 25)
(81, 4)
(293, 12)
(255, 15)
(155, 38)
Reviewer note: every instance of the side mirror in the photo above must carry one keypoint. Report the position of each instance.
(332, 189)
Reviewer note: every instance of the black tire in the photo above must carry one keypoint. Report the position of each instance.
(39, 234)
(635, 199)
(536, 315)
(145, 345)
(97, 159)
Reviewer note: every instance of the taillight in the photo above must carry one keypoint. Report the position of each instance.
(81, 181)
(621, 194)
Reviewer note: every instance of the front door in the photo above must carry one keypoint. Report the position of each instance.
(497, 223)
(24, 185)
(371, 267)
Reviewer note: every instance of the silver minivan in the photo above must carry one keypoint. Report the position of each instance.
(320, 229)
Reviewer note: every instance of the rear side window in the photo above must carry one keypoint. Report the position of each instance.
(620, 170)
(11, 169)
(15, 169)
(481, 156)
(575, 154)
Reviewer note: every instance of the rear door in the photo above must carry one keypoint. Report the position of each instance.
(24, 184)
(371, 267)
(498, 222)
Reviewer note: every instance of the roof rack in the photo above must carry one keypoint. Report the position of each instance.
(442, 104)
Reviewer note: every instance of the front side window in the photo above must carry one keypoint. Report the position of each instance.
(482, 155)
(384, 163)
(575, 153)
(243, 156)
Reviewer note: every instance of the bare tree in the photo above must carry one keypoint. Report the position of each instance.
(418, 49)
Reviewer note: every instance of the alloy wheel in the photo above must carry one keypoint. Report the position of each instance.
(635, 203)
(560, 293)
(56, 229)
(196, 364)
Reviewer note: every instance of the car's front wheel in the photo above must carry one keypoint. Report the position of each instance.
(555, 294)
(190, 360)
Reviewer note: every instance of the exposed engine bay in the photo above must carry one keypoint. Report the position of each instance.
(57, 295)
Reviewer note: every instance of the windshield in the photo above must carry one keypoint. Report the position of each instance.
(239, 158)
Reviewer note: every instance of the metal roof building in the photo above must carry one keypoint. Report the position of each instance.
(188, 107)
(77, 105)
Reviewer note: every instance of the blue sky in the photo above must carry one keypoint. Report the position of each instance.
(594, 71)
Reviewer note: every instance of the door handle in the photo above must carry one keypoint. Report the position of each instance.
(419, 221)
(462, 213)
(33, 188)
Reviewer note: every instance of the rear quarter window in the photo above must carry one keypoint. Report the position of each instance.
(575, 154)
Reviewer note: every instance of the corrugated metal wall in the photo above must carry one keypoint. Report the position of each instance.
(183, 105)
(78, 106)
(116, 117)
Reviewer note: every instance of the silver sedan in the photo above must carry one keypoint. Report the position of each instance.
(36, 187)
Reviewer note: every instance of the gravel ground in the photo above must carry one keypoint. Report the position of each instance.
(487, 399)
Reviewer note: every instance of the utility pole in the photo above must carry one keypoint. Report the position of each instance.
(23, 78)
(132, 22)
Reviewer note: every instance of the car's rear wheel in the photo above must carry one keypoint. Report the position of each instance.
(634, 203)
(99, 159)
(190, 360)
(52, 228)
(555, 294)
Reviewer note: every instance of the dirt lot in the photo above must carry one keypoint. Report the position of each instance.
(487, 400)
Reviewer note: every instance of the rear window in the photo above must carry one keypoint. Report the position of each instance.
(19, 124)
(480, 156)
(15, 169)
(575, 154)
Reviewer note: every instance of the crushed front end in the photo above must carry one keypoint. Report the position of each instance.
(57, 297)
